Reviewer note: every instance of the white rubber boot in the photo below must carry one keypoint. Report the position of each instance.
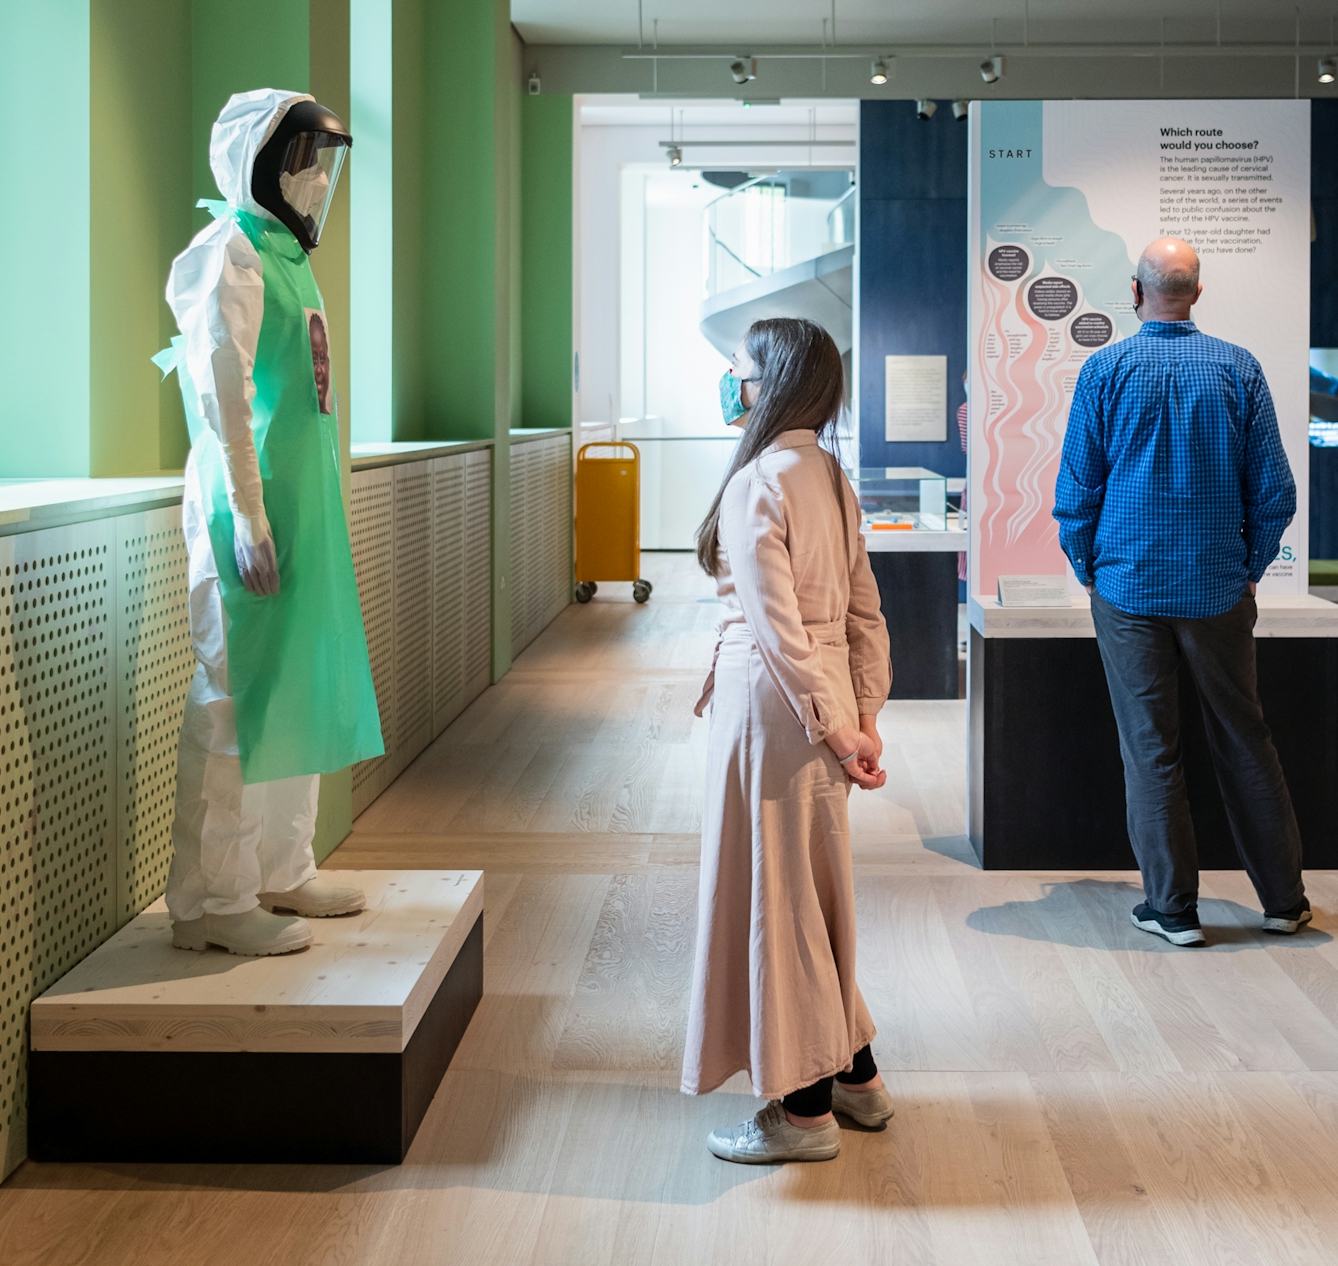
(318, 898)
(252, 934)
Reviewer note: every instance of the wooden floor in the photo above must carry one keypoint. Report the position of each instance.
(1069, 1090)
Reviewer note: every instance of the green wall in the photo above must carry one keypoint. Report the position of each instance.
(140, 79)
(237, 46)
(546, 260)
(466, 218)
(329, 84)
(457, 188)
(44, 221)
(370, 173)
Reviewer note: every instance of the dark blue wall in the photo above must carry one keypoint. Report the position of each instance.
(912, 272)
(1324, 310)
(1324, 204)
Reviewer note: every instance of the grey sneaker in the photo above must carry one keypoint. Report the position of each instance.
(869, 1107)
(769, 1138)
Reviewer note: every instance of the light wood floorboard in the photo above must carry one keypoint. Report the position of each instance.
(1070, 1091)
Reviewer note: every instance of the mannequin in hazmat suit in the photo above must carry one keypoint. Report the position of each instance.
(283, 689)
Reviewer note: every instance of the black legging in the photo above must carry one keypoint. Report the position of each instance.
(816, 1100)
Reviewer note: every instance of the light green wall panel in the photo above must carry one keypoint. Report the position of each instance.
(470, 251)
(44, 221)
(388, 76)
(466, 243)
(330, 49)
(329, 84)
(140, 193)
(370, 171)
(238, 46)
(416, 304)
(546, 259)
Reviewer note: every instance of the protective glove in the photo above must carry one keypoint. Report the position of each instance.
(256, 558)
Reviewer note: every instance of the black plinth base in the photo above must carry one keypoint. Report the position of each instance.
(1046, 781)
(249, 1107)
(919, 598)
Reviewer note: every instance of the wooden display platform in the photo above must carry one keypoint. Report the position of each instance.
(149, 1053)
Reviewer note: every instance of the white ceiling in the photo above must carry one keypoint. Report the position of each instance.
(889, 22)
(796, 115)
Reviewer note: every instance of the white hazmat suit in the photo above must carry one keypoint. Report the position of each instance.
(238, 846)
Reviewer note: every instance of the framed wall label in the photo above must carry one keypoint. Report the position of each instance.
(917, 399)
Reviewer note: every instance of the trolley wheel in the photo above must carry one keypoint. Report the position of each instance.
(641, 590)
(594, 588)
(585, 591)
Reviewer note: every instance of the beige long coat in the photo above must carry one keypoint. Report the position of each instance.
(803, 651)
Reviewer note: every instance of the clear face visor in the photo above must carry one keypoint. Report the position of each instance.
(309, 174)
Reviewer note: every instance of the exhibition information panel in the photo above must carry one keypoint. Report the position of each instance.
(1064, 197)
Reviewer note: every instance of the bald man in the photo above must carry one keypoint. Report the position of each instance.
(1172, 497)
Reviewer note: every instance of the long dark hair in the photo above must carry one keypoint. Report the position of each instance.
(800, 387)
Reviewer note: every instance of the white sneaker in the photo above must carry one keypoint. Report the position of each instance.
(253, 933)
(868, 1107)
(318, 898)
(769, 1138)
(1290, 923)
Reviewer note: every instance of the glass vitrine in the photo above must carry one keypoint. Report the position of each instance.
(901, 498)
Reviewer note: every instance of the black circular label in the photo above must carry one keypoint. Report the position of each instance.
(1092, 329)
(1008, 263)
(1052, 298)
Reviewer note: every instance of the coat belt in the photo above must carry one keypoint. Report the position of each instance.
(825, 632)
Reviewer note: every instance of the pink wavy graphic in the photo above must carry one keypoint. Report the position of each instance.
(1028, 370)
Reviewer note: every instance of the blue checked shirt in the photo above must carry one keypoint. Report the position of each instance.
(1173, 488)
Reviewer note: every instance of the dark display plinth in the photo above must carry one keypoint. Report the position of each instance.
(1046, 782)
(919, 598)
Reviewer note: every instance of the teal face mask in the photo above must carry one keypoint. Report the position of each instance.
(731, 397)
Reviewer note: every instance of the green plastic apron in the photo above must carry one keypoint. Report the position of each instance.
(298, 668)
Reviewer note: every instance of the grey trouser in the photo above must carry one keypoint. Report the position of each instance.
(1143, 656)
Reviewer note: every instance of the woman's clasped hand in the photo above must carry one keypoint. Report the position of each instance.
(864, 770)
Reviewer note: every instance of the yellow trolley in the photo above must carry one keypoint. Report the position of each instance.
(608, 520)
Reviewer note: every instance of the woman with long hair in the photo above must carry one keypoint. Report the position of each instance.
(801, 670)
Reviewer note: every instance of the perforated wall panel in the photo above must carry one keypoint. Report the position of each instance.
(57, 834)
(448, 590)
(558, 538)
(522, 517)
(478, 572)
(422, 551)
(154, 664)
(373, 537)
(541, 525)
(413, 611)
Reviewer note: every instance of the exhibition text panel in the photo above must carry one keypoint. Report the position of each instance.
(1064, 197)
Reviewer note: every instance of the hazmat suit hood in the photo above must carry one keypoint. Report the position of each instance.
(246, 123)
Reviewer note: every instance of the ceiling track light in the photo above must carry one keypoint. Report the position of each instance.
(960, 109)
(1328, 69)
(992, 69)
(878, 72)
(924, 109)
(675, 156)
(743, 70)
